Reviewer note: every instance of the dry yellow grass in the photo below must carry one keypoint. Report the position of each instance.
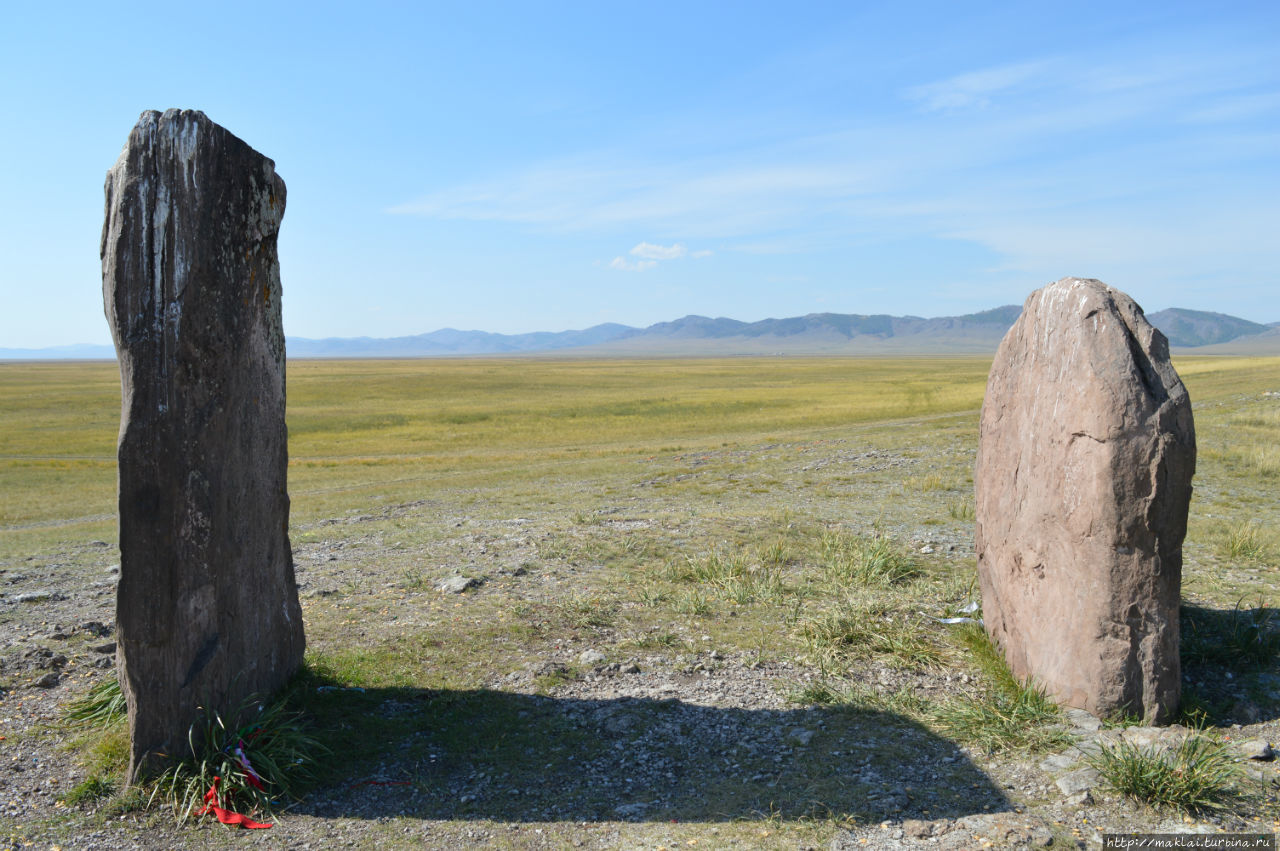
(387, 429)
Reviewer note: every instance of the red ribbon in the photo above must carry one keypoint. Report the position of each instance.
(225, 816)
(252, 776)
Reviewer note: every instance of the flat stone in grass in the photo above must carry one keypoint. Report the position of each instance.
(457, 584)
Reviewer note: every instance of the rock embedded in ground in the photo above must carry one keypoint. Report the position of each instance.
(1080, 780)
(1259, 749)
(1082, 484)
(38, 597)
(457, 584)
(801, 735)
(1166, 738)
(1082, 722)
(42, 659)
(207, 607)
(1060, 761)
(1080, 799)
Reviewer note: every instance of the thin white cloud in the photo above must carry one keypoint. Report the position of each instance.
(651, 254)
(975, 89)
(622, 264)
(1040, 163)
(649, 251)
(707, 199)
(1238, 108)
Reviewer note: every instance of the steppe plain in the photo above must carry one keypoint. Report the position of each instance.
(669, 639)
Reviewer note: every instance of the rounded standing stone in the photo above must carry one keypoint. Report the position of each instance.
(1082, 485)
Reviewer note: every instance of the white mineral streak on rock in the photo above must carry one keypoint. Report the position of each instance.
(159, 226)
(185, 139)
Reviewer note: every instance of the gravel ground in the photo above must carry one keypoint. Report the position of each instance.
(689, 745)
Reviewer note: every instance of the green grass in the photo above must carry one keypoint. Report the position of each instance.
(1239, 639)
(587, 612)
(1199, 774)
(1007, 715)
(773, 505)
(998, 721)
(104, 754)
(849, 694)
(739, 577)
(359, 428)
(692, 601)
(961, 509)
(102, 706)
(102, 740)
(1266, 461)
(1246, 541)
(860, 631)
(866, 560)
(656, 640)
(280, 752)
(90, 790)
(261, 753)
(364, 428)
(926, 484)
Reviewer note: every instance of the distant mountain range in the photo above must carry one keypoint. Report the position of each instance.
(816, 333)
(1198, 329)
(819, 332)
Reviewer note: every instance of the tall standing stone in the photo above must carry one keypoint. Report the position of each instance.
(207, 607)
(1083, 480)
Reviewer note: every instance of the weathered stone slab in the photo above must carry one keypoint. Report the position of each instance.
(207, 606)
(1085, 458)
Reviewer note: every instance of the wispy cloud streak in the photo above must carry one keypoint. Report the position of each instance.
(1038, 161)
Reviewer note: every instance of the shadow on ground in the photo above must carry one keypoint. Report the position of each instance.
(1229, 663)
(521, 757)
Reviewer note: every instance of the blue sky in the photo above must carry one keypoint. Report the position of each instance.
(543, 166)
